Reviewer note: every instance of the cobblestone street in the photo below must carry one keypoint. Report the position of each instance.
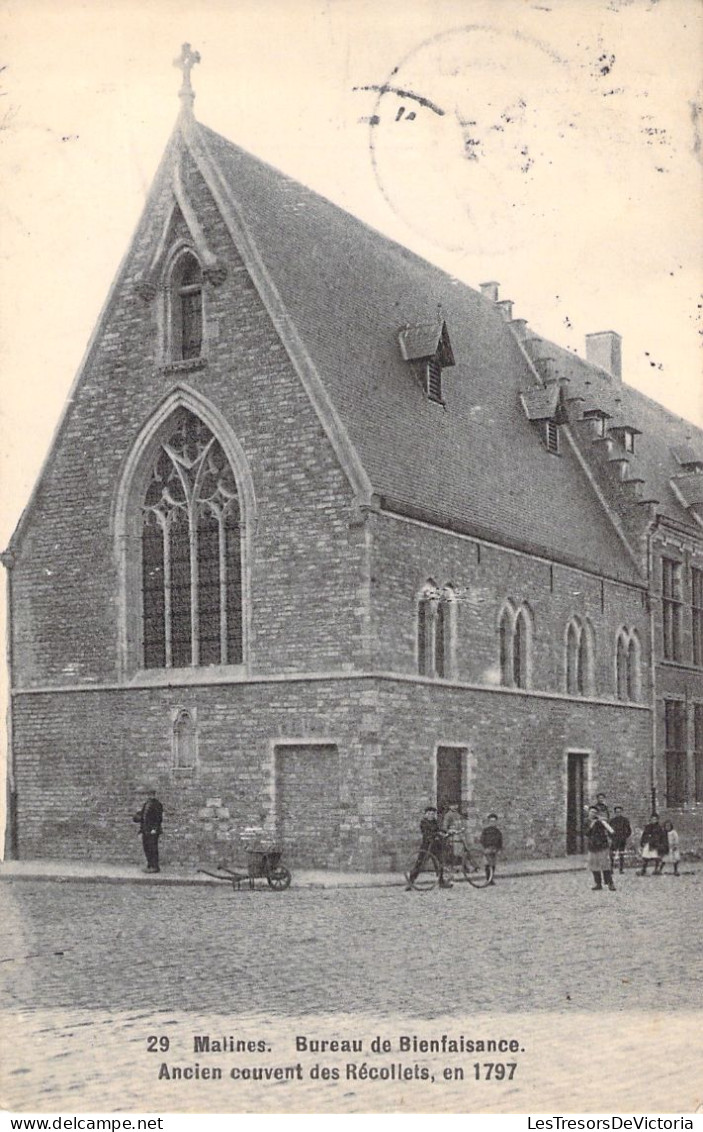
(584, 981)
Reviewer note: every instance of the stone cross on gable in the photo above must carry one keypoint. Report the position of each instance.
(186, 61)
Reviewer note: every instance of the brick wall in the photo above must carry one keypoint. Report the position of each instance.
(87, 756)
(305, 560)
(406, 554)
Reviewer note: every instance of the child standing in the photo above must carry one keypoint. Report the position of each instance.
(492, 842)
(673, 855)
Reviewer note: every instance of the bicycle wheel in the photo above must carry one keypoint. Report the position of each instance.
(479, 876)
(279, 878)
(428, 874)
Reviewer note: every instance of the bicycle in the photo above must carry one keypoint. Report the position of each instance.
(428, 867)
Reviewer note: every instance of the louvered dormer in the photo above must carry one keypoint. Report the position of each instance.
(427, 347)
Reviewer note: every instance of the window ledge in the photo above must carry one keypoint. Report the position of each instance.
(686, 664)
(184, 366)
(203, 674)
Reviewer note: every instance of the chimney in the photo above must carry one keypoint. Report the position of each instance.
(547, 370)
(605, 350)
(490, 291)
(519, 325)
(505, 306)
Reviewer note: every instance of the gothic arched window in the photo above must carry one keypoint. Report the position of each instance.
(515, 639)
(186, 308)
(191, 552)
(628, 677)
(580, 675)
(436, 630)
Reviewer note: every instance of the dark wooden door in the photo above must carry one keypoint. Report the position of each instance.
(576, 779)
(448, 776)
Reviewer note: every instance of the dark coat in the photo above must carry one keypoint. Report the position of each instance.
(429, 828)
(655, 836)
(621, 829)
(150, 817)
(597, 836)
(492, 838)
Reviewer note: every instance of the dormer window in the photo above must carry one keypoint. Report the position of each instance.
(544, 406)
(626, 435)
(427, 346)
(690, 461)
(186, 309)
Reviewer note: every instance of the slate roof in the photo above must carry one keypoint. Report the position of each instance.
(661, 437)
(474, 462)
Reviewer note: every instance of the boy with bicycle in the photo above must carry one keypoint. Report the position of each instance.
(432, 842)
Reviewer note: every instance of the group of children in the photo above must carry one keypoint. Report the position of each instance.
(445, 833)
(608, 837)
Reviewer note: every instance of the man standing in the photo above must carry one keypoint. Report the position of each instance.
(622, 832)
(150, 818)
(599, 833)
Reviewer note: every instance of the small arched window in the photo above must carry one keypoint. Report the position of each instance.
(436, 630)
(628, 674)
(515, 641)
(580, 668)
(184, 752)
(186, 308)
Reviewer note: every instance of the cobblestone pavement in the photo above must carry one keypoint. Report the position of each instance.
(586, 983)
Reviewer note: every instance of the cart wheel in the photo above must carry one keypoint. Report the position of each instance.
(279, 878)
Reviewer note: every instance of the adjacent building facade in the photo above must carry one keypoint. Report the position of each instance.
(326, 535)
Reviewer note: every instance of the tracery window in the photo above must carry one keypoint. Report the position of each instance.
(580, 677)
(191, 552)
(515, 638)
(627, 666)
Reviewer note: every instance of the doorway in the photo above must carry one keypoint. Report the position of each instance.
(576, 795)
(450, 762)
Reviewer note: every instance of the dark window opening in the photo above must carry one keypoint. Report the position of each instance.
(675, 752)
(186, 309)
(697, 615)
(520, 647)
(671, 608)
(698, 749)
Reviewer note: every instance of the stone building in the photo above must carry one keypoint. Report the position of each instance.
(326, 535)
